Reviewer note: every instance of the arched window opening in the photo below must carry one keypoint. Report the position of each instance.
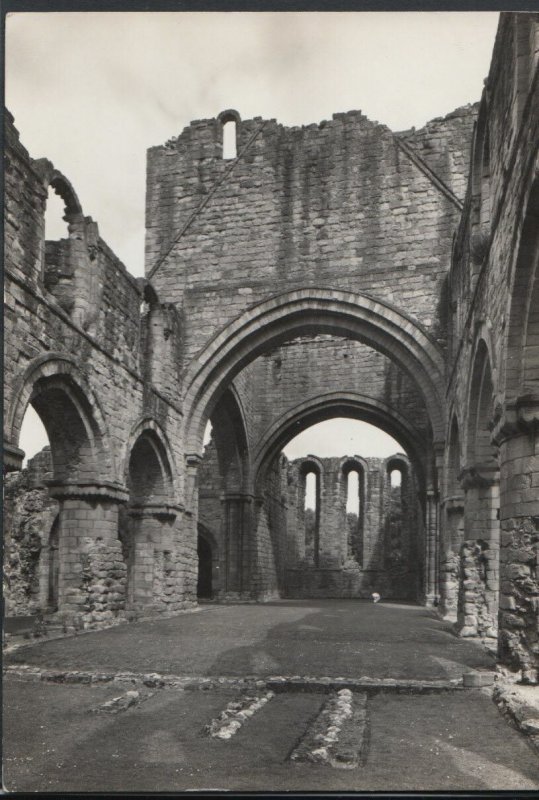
(148, 477)
(395, 519)
(481, 451)
(56, 226)
(355, 513)
(312, 514)
(229, 139)
(352, 493)
(395, 479)
(57, 266)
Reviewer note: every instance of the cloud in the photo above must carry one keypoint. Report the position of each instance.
(92, 91)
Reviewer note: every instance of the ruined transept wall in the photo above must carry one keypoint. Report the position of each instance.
(338, 205)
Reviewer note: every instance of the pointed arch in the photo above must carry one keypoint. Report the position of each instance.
(340, 404)
(480, 450)
(307, 312)
(148, 469)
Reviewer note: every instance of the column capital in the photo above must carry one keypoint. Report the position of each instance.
(453, 503)
(13, 457)
(160, 511)
(241, 497)
(515, 416)
(88, 490)
(479, 476)
(193, 459)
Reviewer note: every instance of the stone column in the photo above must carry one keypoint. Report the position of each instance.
(189, 532)
(153, 574)
(332, 533)
(431, 592)
(478, 592)
(517, 434)
(452, 512)
(12, 457)
(92, 572)
(373, 545)
(237, 517)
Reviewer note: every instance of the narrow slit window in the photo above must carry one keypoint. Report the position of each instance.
(55, 225)
(312, 515)
(395, 478)
(354, 514)
(352, 493)
(229, 139)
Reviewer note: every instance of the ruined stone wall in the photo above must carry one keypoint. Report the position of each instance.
(73, 348)
(494, 294)
(300, 206)
(388, 557)
(29, 518)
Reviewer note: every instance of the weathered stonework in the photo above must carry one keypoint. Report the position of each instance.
(337, 269)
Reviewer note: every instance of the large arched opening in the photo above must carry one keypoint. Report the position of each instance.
(227, 362)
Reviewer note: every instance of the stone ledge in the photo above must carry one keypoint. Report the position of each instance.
(275, 683)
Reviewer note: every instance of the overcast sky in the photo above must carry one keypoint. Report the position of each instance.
(92, 91)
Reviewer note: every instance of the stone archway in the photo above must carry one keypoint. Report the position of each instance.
(353, 406)
(307, 312)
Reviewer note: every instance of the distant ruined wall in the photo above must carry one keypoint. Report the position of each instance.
(379, 550)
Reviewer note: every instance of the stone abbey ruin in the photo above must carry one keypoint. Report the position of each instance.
(333, 270)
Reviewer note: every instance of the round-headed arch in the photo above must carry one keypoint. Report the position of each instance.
(60, 184)
(71, 414)
(308, 312)
(339, 404)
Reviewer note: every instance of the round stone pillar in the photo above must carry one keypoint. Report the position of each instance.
(479, 585)
(452, 511)
(153, 578)
(91, 570)
(517, 434)
(238, 544)
(431, 549)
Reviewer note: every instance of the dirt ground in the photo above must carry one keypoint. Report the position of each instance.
(55, 741)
